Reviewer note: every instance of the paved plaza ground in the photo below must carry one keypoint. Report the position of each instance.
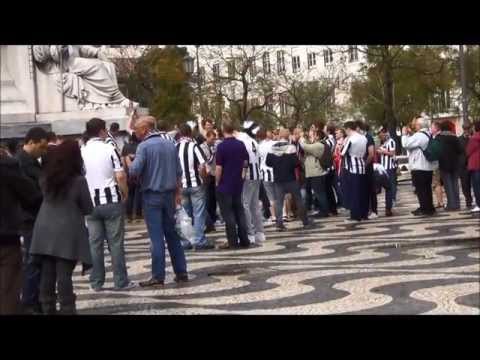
(398, 265)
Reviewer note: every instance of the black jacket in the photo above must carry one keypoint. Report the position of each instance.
(32, 169)
(463, 157)
(16, 192)
(283, 166)
(451, 152)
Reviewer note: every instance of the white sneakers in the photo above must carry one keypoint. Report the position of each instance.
(372, 216)
(259, 238)
(476, 209)
(251, 239)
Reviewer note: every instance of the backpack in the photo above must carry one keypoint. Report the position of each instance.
(433, 150)
(326, 160)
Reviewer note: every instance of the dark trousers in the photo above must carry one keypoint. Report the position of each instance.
(10, 279)
(211, 201)
(345, 188)
(265, 202)
(31, 271)
(422, 181)
(329, 189)
(57, 272)
(466, 181)
(134, 201)
(359, 197)
(310, 199)
(319, 184)
(281, 189)
(391, 191)
(338, 188)
(372, 190)
(233, 214)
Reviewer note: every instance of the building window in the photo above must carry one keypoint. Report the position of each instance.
(295, 63)
(280, 61)
(327, 56)
(266, 63)
(283, 104)
(216, 70)
(253, 67)
(312, 60)
(352, 53)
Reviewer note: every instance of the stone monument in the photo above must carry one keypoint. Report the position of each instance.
(59, 88)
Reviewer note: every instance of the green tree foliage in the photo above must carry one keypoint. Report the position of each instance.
(159, 81)
(472, 70)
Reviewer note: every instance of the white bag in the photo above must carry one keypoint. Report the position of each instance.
(183, 224)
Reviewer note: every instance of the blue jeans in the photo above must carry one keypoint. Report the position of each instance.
(194, 201)
(450, 183)
(391, 192)
(107, 222)
(319, 187)
(476, 185)
(159, 213)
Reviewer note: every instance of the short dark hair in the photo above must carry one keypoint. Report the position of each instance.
(261, 134)
(331, 128)
(444, 126)
(352, 125)
(210, 133)
(114, 126)
(51, 136)
(204, 121)
(162, 125)
(227, 127)
(185, 130)
(476, 125)
(94, 126)
(36, 134)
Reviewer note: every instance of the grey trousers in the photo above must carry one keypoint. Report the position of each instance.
(281, 189)
(250, 200)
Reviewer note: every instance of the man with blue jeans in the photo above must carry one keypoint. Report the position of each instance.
(107, 183)
(158, 167)
(194, 198)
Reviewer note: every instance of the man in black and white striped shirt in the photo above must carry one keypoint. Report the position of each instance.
(353, 152)
(107, 183)
(330, 177)
(193, 162)
(388, 161)
(251, 185)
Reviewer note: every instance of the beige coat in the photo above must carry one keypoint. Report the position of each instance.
(313, 153)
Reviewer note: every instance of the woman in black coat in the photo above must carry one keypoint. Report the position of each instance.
(60, 237)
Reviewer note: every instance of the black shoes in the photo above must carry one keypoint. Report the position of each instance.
(281, 228)
(204, 247)
(388, 213)
(181, 278)
(152, 283)
(417, 212)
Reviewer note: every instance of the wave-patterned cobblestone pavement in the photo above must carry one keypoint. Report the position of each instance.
(397, 265)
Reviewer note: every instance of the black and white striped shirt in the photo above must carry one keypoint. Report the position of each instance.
(331, 143)
(353, 153)
(166, 136)
(387, 161)
(101, 162)
(264, 148)
(191, 157)
(253, 158)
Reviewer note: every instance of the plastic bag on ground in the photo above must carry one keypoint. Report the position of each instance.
(183, 225)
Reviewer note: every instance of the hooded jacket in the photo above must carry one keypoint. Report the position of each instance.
(473, 152)
(283, 159)
(415, 144)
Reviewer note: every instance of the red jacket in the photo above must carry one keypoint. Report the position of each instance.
(473, 152)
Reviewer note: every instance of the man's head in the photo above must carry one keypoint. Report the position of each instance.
(331, 128)
(284, 134)
(114, 128)
(144, 126)
(339, 134)
(467, 130)
(383, 134)
(227, 127)
(476, 126)
(421, 123)
(185, 130)
(36, 142)
(261, 134)
(269, 135)
(207, 124)
(444, 126)
(52, 138)
(435, 128)
(350, 127)
(211, 137)
(96, 128)
(162, 125)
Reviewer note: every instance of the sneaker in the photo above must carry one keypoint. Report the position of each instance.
(281, 228)
(204, 247)
(373, 216)
(388, 213)
(251, 239)
(96, 288)
(127, 287)
(351, 222)
(259, 237)
(476, 209)
(152, 283)
(417, 212)
(187, 245)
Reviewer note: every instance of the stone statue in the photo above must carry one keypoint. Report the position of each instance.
(86, 75)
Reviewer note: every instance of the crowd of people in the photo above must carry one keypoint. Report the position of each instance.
(63, 199)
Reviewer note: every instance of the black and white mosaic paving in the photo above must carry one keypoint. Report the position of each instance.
(396, 265)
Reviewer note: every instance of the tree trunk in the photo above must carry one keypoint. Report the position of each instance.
(390, 119)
